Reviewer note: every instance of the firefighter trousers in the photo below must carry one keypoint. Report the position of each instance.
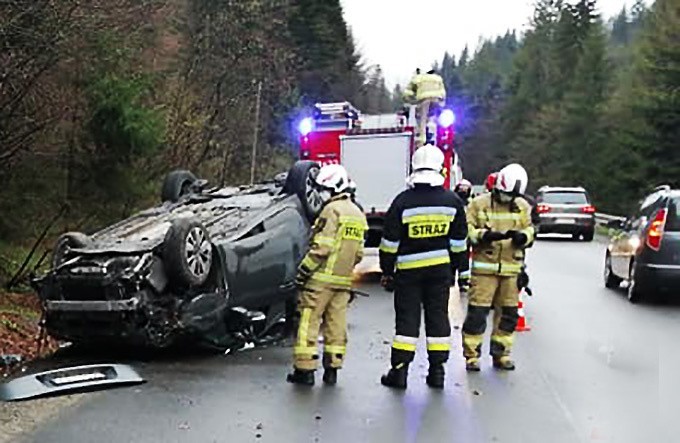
(427, 287)
(321, 310)
(487, 291)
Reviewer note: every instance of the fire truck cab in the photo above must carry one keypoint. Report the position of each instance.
(376, 151)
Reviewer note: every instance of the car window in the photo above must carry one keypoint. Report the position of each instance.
(673, 218)
(565, 198)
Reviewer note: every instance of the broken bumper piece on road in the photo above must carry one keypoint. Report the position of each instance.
(69, 380)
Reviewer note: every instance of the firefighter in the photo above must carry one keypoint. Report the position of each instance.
(499, 224)
(424, 233)
(464, 191)
(325, 278)
(427, 90)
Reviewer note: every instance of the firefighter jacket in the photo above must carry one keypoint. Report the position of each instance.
(424, 226)
(500, 257)
(425, 87)
(336, 245)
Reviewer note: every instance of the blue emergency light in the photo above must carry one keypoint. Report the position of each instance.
(447, 118)
(306, 126)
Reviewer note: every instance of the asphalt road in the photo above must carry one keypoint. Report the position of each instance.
(594, 368)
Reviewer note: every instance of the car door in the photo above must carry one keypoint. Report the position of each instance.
(262, 261)
(626, 243)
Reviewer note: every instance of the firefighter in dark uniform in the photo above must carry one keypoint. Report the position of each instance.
(424, 234)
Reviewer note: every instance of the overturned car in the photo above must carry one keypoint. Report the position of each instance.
(213, 264)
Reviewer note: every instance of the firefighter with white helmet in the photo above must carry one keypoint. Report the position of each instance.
(424, 233)
(325, 278)
(500, 228)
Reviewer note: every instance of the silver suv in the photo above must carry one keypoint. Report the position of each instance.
(565, 210)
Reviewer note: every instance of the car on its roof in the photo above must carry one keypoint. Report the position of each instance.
(565, 210)
(211, 264)
(646, 250)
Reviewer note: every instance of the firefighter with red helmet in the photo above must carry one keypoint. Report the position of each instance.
(425, 231)
(325, 278)
(500, 229)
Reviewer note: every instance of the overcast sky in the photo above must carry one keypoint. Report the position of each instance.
(402, 34)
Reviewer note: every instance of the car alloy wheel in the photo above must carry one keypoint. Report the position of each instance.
(198, 252)
(312, 192)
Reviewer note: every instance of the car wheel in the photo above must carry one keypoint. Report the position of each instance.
(576, 236)
(589, 236)
(611, 280)
(65, 242)
(187, 252)
(635, 291)
(177, 184)
(300, 181)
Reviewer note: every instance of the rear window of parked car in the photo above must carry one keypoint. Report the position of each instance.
(565, 198)
(673, 218)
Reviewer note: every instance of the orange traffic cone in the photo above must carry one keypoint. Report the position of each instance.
(522, 322)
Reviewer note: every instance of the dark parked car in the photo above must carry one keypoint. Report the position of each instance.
(646, 252)
(565, 211)
(217, 264)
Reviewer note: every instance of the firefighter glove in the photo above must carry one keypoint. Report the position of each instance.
(302, 276)
(492, 236)
(387, 282)
(518, 238)
(522, 280)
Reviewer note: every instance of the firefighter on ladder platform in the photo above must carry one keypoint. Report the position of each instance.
(428, 92)
(424, 233)
(500, 228)
(325, 278)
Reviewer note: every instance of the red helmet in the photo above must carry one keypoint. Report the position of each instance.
(491, 181)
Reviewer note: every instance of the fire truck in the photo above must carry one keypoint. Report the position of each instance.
(376, 151)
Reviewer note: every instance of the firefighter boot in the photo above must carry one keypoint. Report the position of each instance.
(472, 365)
(330, 376)
(435, 376)
(301, 377)
(396, 377)
(504, 363)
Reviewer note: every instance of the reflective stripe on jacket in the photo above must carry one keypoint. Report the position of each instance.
(424, 226)
(337, 244)
(499, 257)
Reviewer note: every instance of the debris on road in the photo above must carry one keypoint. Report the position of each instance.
(68, 380)
(476, 392)
(184, 426)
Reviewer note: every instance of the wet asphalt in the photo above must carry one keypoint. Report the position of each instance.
(594, 368)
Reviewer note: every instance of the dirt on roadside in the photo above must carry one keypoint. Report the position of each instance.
(19, 332)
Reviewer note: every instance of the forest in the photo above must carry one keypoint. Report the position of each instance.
(579, 100)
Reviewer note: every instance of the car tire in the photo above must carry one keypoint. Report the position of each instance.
(588, 236)
(635, 292)
(176, 185)
(611, 280)
(576, 236)
(187, 253)
(300, 182)
(69, 240)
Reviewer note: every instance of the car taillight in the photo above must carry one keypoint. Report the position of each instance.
(590, 209)
(542, 209)
(655, 231)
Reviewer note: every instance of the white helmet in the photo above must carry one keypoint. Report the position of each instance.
(333, 178)
(512, 180)
(427, 164)
(427, 157)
